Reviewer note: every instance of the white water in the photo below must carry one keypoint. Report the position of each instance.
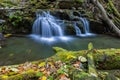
(77, 30)
(85, 23)
(46, 26)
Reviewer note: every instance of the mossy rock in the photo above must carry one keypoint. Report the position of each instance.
(104, 58)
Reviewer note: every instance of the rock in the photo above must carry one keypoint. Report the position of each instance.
(97, 27)
(82, 59)
(2, 21)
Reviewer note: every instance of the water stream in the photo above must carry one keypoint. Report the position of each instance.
(47, 33)
(47, 28)
(22, 49)
(85, 24)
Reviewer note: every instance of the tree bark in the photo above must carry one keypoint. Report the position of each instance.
(106, 18)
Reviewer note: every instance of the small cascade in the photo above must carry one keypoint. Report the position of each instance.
(78, 31)
(85, 24)
(86, 31)
(46, 26)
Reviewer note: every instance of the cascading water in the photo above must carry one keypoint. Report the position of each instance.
(46, 26)
(85, 23)
(78, 31)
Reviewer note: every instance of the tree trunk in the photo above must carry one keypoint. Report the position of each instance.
(106, 18)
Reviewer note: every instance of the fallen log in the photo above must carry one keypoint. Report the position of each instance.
(104, 58)
(94, 57)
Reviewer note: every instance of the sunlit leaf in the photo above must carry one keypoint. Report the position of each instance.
(4, 76)
(7, 35)
(42, 64)
(44, 78)
(90, 46)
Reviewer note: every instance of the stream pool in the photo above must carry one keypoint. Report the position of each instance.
(22, 49)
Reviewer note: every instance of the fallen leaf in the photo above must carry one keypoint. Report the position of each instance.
(44, 78)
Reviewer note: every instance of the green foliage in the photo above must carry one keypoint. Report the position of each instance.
(39, 74)
(66, 56)
(60, 71)
(58, 49)
(50, 78)
(15, 19)
(18, 22)
(82, 75)
(42, 64)
(109, 8)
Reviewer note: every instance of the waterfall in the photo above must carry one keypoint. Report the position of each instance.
(85, 25)
(86, 31)
(77, 30)
(46, 26)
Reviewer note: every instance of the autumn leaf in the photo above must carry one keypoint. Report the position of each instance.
(4, 76)
(41, 64)
(44, 78)
(7, 35)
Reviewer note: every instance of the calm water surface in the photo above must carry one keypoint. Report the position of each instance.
(22, 49)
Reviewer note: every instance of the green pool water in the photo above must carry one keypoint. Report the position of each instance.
(22, 49)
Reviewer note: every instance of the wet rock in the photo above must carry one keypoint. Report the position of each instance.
(97, 27)
(82, 59)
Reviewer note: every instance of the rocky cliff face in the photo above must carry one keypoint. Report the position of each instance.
(68, 10)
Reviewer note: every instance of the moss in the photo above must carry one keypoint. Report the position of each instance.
(104, 58)
(75, 74)
(58, 49)
(24, 76)
(107, 59)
